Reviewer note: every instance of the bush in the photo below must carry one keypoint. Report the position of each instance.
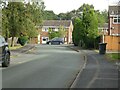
(23, 40)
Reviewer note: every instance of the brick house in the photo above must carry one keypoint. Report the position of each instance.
(43, 36)
(113, 37)
(114, 20)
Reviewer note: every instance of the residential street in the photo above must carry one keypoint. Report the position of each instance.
(71, 44)
(47, 66)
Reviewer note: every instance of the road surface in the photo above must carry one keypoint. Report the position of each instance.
(47, 66)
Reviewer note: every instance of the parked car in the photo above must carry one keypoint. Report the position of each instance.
(56, 40)
(4, 52)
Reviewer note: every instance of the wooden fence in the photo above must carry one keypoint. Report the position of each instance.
(113, 43)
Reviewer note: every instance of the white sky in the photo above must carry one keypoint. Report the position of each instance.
(59, 6)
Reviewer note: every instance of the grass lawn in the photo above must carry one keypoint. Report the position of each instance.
(15, 47)
(113, 56)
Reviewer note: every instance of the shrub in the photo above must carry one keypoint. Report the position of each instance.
(23, 40)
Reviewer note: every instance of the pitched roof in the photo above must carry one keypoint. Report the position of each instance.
(65, 23)
(114, 10)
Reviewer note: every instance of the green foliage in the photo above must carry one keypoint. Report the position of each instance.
(113, 56)
(85, 29)
(23, 40)
(53, 34)
(60, 33)
(49, 15)
(102, 17)
(5, 24)
(90, 26)
(21, 18)
(77, 31)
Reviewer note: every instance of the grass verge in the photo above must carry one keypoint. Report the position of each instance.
(15, 47)
(113, 56)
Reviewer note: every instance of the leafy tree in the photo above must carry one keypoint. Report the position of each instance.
(102, 17)
(90, 26)
(60, 33)
(52, 33)
(49, 15)
(21, 19)
(62, 16)
(5, 24)
(85, 29)
(105, 15)
(77, 31)
(15, 19)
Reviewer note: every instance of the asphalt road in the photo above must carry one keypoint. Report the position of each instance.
(48, 66)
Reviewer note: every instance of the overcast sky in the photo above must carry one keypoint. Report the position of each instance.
(59, 6)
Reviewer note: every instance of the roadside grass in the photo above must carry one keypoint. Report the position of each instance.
(96, 51)
(15, 47)
(113, 56)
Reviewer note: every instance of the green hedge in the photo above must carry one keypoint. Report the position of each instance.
(23, 40)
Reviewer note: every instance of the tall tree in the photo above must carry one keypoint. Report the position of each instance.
(21, 18)
(90, 26)
(15, 19)
(77, 31)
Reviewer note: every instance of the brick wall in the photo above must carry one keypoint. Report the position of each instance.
(116, 29)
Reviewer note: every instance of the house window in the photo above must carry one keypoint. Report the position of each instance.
(119, 19)
(45, 29)
(116, 20)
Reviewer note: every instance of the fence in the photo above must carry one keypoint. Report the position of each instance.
(113, 43)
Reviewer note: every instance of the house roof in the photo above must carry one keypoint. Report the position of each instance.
(114, 10)
(105, 25)
(65, 23)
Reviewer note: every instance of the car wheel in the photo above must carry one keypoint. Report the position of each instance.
(61, 43)
(6, 60)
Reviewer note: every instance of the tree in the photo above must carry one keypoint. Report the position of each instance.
(77, 31)
(102, 17)
(21, 19)
(5, 24)
(52, 34)
(15, 19)
(90, 26)
(49, 15)
(60, 33)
